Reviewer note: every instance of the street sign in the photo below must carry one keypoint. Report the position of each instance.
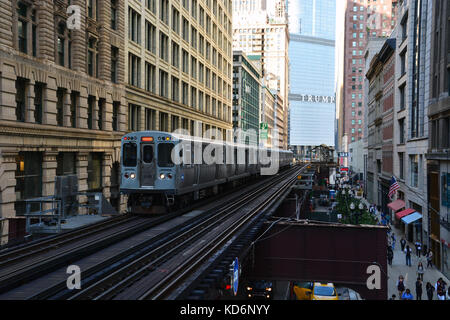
(263, 131)
(343, 154)
(235, 282)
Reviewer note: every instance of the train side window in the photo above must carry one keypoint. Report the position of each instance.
(148, 154)
(129, 155)
(165, 154)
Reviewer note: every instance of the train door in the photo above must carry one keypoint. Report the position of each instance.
(148, 169)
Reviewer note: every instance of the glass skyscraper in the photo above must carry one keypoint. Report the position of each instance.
(312, 115)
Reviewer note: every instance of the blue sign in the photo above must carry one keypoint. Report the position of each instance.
(235, 276)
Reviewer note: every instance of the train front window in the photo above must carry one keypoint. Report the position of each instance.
(165, 154)
(129, 155)
(147, 156)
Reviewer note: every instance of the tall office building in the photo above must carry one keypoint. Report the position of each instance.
(265, 37)
(312, 111)
(179, 66)
(62, 103)
(364, 19)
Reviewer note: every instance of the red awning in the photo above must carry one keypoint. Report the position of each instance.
(397, 205)
(404, 213)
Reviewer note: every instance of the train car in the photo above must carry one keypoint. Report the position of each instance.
(162, 171)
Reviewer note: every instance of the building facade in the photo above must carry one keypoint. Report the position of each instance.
(364, 19)
(438, 156)
(63, 107)
(312, 74)
(266, 36)
(381, 97)
(246, 99)
(179, 66)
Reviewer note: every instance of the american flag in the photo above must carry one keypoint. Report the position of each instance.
(393, 188)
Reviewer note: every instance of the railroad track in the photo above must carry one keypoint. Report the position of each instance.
(146, 277)
(98, 274)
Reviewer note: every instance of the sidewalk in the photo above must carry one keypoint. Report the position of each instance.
(399, 267)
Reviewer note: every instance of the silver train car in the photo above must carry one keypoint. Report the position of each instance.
(162, 171)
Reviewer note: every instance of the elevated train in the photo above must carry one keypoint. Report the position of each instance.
(161, 171)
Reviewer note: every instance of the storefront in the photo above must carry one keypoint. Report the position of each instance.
(410, 222)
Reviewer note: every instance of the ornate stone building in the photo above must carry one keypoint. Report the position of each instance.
(62, 104)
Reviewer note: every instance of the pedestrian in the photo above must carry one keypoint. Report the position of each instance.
(390, 255)
(400, 286)
(393, 240)
(418, 248)
(408, 251)
(430, 290)
(429, 258)
(393, 297)
(403, 243)
(419, 289)
(440, 289)
(407, 295)
(420, 270)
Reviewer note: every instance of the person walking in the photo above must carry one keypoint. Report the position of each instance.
(419, 289)
(400, 286)
(393, 297)
(430, 290)
(420, 270)
(418, 248)
(390, 255)
(403, 243)
(393, 240)
(429, 258)
(408, 251)
(407, 295)
(440, 289)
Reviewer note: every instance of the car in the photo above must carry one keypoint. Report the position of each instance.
(315, 291)
(259, 289)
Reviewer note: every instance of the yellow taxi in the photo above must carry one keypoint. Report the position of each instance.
(315, 291)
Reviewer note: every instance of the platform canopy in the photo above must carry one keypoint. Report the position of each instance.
(397, 205)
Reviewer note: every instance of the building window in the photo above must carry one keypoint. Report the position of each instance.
(185, 30)
(38, 101)
(175, 89)
(150, 37)
(74, 101)
(401, 130)
(115, 116)
(175, 54)
(66, 163)
(94, 170)
(60, 95)
(185, 94)
(193, 68)
(92, 58)
(164, 11)
(163, 122)
(151, 5)
(185, 66)
(114, 63)
(401, 162)
(163, 46)
(150, 119)
(414, 167)
(101, 113)
(134, 117)
(134, 26)
(193, 97)
(114, 14)
(28, 179)
(402, 63)
(93, 9)
(21, 95)
(134, 70)
(150, 77)
(90, 113)
(163, 84)
(175, 20)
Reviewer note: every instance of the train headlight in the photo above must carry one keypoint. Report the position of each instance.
(126, 175)
(132, 175)
(162, 176)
